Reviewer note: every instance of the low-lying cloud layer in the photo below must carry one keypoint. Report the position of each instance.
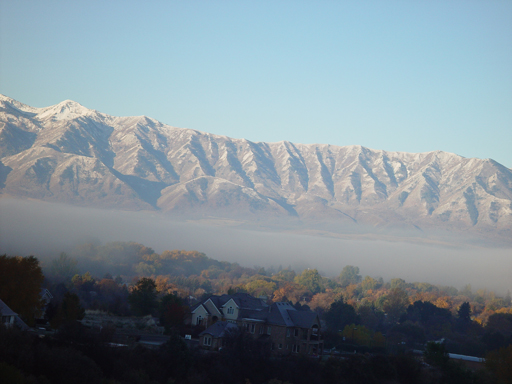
(45, 229)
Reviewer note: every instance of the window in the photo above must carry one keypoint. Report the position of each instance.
(268, 330)
(199, 319)
(231, 310)
(280, 346)
(288, 333)
(252, 328)
(296, 332)
(207, 340)
(296, 348)
(261, 329)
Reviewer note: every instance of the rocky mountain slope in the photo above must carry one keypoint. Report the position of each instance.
(68, 153)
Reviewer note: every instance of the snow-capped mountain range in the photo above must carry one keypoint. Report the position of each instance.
(72, 154)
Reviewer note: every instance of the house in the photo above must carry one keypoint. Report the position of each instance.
(46, 297)
(214, 336)
(10, 318)
(8, 315)
(288, 330)
(284, 328)
(226, 307)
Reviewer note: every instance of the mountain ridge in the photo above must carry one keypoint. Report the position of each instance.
(73, 154)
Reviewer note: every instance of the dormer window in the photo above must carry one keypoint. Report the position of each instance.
(231, 310)
(199, 319)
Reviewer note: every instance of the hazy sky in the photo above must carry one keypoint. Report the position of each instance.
(403, 75)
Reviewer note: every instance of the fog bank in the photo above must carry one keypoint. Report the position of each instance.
(46, 229)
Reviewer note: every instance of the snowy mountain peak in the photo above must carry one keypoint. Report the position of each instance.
(6, 101)
(65, 110)
(139, 163)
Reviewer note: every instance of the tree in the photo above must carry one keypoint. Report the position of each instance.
(172, 311)
(20, 285)
(340, 315)
(395, 304)
(369, 283)
(398, 283)
(349, 275)
(286, 275)
(436, 354)
(84, 282)
(64, 267)
(68, 311)
(464, 314)
(500, 364)
(311, 279)
(143, 297)
(260, 287)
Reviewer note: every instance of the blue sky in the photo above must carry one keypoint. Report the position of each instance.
(411, 76)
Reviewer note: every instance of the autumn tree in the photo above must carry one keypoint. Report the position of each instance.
(286, 275)
(369, 283)
(290, 292)
(349, 275)
(83, 282)
(143, 297)
(398, 283)
(20, 285)
(260, 287)
(311, 279)
(395, 304)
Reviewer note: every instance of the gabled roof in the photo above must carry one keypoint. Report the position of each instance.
(5, 310)
(219, 329)
(241, 300)
(199, 305)
(304, 319)
(45, 292)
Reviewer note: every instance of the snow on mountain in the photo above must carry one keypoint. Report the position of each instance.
(73, 154)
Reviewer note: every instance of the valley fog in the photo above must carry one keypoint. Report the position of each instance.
(46, 229)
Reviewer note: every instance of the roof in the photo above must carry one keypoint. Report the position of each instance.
(242, 301)
(253, 309)
(284, 314)
(5, 310)
(304, 319)
(219, 329)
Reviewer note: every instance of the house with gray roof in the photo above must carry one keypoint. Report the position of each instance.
(285, 329)
(288, 330)
(225, 307)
